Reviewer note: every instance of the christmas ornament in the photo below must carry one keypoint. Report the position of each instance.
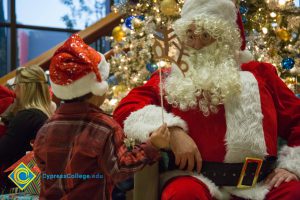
(283, 35)
(244, 19)
(119, 89)
(294, 37)
(112, 80)
(128, 21)
(151, 67)
(279, 19)
(131, 21)
(118, 33)
(288, 63)
(243, 10)
(169, 7)
(290, 80)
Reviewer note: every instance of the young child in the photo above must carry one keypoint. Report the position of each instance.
(79, 139)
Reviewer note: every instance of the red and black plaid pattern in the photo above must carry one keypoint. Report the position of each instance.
(80, 139)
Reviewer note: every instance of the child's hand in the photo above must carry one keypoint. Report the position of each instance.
(161, 137)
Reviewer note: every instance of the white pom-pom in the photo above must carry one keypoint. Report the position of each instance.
(104, 67)
(99, 89)
(53, 107)
(245, 56)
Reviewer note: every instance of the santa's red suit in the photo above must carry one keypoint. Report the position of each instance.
(248, 125)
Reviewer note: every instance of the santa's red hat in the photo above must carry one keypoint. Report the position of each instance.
(7, 98)
(77, 69)
(215, 10)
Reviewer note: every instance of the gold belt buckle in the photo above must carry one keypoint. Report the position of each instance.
(242, 175)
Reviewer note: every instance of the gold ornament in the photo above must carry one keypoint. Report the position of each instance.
(272, 51)
(279, 19)
(169, 7)
(137, 23)
(290, 80)
(119, 89)
(118, 33)
(283, 35)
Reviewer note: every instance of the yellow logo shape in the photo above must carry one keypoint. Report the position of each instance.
(22, 176)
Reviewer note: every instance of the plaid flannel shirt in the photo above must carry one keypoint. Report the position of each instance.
(81, 139)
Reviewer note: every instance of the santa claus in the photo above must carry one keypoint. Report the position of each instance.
(225, 114)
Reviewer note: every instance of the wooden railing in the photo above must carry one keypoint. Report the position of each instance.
(101, 28)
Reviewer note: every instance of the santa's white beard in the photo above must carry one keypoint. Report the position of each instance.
(213, 75)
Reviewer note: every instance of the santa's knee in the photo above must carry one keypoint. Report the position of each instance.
(185, 188)
(293, 190)
(286, 191)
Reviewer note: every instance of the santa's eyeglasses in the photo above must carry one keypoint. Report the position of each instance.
(192, 35)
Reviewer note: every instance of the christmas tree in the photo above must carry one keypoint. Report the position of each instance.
(272, 30)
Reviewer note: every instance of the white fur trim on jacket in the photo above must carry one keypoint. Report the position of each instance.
(244, 120)
(141, 123)
(289, 159)
(245, 135)
(214, 190)
(256, 193)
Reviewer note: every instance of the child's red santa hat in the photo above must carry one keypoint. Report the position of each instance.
(76, 69)
(218, 9)
(7, 98)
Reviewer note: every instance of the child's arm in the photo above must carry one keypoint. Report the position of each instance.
(119, 163)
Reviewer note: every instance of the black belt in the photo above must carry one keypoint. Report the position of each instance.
(242, 175)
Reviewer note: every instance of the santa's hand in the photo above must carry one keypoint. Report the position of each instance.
(185, 150)
(161, 137)
(279, 176)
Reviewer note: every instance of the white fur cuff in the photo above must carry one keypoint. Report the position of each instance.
(245, 56)
(289, 159)
(141, 123)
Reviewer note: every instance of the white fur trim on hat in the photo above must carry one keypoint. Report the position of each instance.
(245, 56)
(104, 67)
(222, 9)
(80, 87)
(99, 89)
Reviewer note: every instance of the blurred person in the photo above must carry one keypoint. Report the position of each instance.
(32, 108)
(7, 98)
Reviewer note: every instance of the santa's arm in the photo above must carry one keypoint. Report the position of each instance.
(288, 117)
(140, 112)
